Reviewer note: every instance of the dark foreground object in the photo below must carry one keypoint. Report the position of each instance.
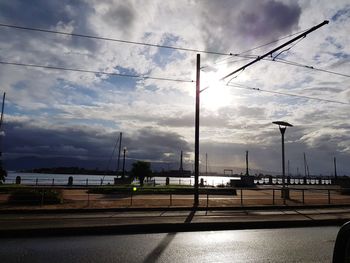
(342, 245)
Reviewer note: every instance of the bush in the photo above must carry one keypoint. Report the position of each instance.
(35, 197)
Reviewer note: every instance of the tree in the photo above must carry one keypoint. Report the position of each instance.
(3, 173)
(140, 170)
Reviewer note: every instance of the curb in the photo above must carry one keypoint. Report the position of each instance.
(164, 228)
(179, 208)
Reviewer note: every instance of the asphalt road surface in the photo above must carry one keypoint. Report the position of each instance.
(313, 244)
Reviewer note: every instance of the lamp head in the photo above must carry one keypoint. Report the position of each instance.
(282, 123)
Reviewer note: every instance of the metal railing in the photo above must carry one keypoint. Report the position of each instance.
(74, 198)
(208, 181)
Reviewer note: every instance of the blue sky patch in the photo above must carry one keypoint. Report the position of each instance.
(123, 83)
(340, 14)
(164, 55)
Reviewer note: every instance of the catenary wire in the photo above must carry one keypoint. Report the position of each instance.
(286, 94)
(231, 55)
(93, 72)
(114, 39)
(258, 47)
(143, 43)
(272, 42)
(287, 62)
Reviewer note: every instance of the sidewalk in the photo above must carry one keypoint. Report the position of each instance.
(39, 223)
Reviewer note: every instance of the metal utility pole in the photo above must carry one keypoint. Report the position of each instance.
(277, 48)
(120, 147)
(2, 171)
(181, 163)
(288, 171)
(2, 109)
(196, 137)
(246, 162)
(124, 151)
(335, 168)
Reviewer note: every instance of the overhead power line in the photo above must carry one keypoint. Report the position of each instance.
(93, 72)
(287, 62)
(146, 44)
(231, 55)
(284, 61)
(114, 40)
(272, 42)
(239, 86)
(276, 49)
(240, 54)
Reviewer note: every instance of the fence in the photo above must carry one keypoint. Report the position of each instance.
(90, 181)
(207, 181)
(82, 198)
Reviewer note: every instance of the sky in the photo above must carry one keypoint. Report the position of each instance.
(70, 118)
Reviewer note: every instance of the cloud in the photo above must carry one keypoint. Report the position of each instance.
(268, 19)
(81, 142)
(238, 24)
(62, 113)
(121, 16)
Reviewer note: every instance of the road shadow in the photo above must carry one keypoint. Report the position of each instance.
(295, 200)
(191, 214)
(164, 243)
(157, 252)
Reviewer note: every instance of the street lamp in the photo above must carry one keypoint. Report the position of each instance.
(283, 126)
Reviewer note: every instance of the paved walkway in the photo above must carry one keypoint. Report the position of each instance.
(24, 224)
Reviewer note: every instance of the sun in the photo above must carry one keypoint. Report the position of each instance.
(216, 95)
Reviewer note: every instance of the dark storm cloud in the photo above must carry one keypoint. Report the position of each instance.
(152, 144)
(271, 18)
(231, 25)
(81, 143)
(266, 158)
(38, 13)
(121, 16)
(46, 15)
(25, 139)
(319, 158)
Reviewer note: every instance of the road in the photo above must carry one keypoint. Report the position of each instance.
(36, 220)
(313, 244)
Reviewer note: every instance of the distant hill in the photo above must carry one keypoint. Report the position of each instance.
(34, 162)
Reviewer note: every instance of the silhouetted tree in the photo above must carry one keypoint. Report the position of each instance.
(140, 170)
(3, 174)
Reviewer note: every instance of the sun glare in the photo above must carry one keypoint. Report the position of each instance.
(215, 95)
